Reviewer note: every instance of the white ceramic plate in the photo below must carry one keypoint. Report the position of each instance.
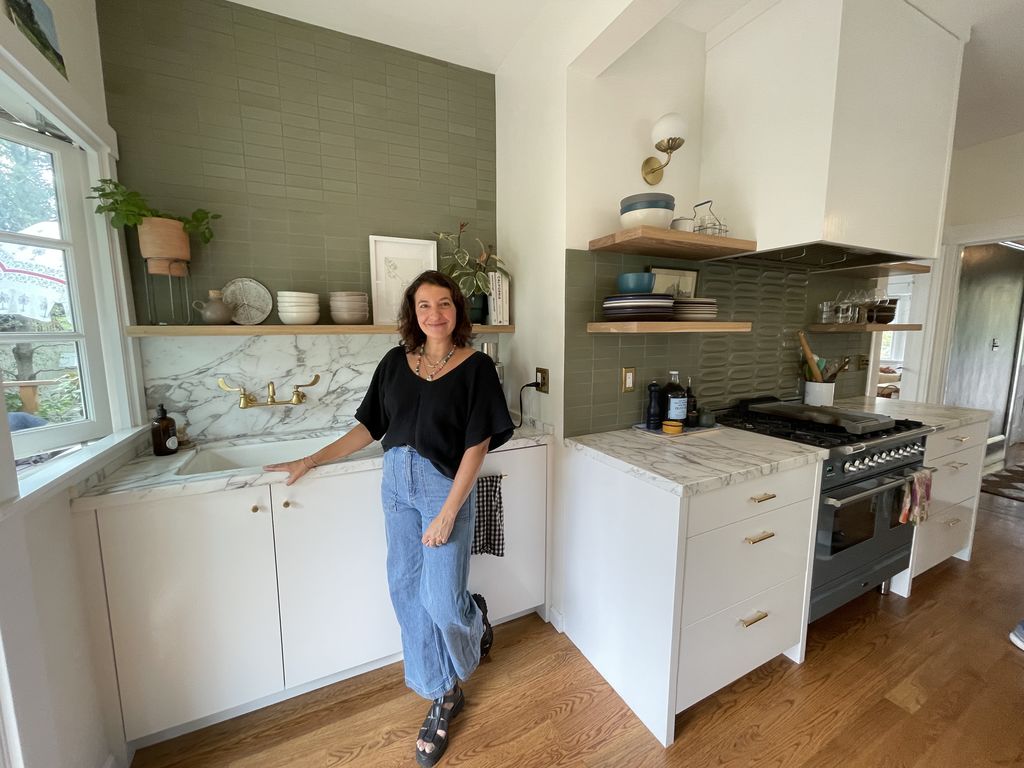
(250, 300)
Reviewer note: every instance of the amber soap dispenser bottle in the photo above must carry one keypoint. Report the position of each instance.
(165, 435)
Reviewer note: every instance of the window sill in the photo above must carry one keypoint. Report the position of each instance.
(65, 471)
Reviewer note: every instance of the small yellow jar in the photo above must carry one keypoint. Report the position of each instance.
(672, 427)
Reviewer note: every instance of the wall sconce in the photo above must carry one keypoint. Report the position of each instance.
(668, 135)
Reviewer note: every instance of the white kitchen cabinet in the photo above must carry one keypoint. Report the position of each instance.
(514, 584)
(192, 595)
(657, 587)
(956, 455)
(331, 567)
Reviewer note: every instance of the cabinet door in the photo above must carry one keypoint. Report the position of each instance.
(515, 583)
(193, 606)
(336, 612)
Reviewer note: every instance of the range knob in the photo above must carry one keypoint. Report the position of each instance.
(848, 466)
(858, 464)
(871, 460)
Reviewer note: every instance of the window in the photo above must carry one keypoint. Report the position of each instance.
(50, 356)
(894, 342)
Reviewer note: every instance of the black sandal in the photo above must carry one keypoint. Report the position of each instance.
(438, 719)
(487, 639)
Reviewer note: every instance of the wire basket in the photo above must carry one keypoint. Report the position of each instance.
(708, 223)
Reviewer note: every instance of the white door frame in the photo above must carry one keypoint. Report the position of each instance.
(944, 291)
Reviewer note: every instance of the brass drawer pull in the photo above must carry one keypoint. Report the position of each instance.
(762, 497)
(255, 508)
(956, 465)
(954, 521)
(759, 537)
(759, 616)
(960, 438)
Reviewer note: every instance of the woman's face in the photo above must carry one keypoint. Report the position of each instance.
(435, 311)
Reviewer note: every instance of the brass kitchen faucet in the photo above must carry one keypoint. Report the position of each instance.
(248, 400)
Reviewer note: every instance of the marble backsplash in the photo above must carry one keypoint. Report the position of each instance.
(182, 373)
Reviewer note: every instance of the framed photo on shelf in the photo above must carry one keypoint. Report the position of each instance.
(681, 283)
(394, 263)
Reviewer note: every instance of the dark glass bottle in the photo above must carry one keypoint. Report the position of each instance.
(165, 435)
(653, 407)
(690, 395)
(673, 406)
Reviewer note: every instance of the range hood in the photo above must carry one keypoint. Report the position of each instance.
(830, 257)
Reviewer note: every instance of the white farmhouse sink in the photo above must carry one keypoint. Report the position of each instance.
(223, 458)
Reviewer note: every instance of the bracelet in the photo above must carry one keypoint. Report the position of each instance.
(311, 464)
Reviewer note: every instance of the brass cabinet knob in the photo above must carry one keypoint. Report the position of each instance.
(255, 508)
(286, 504)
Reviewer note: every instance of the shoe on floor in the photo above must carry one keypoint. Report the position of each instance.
(1017, 636)
(488, 637)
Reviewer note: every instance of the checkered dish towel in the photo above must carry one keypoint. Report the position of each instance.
(489, 531)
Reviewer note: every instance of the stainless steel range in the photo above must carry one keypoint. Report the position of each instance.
(860, 542)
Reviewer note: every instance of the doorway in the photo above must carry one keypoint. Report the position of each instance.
(985, 354)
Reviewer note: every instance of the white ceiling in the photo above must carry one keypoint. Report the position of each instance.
(480, 33)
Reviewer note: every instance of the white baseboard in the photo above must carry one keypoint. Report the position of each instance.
(556, 619)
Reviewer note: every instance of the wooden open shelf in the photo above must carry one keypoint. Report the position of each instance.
(711, 326)
(878, 270)
(863, 327)
(654, 241)
(283, 330)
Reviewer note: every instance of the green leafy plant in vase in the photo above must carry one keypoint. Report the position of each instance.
(163, 237)
(469, 272)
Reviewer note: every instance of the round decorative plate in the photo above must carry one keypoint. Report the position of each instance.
(250, 300)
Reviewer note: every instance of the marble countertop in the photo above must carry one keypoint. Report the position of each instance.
(154, 477)
(695, 463)
(940, 416)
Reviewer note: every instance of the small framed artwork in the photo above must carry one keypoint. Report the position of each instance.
(681, 283)
(394, 263)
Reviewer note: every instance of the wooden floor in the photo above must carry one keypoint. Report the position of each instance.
(931, 681)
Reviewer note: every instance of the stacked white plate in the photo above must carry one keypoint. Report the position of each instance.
(349, 307)
(638, 306)
(695, 309)
(298, 308)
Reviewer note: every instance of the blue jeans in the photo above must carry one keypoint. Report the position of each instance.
(441, 624)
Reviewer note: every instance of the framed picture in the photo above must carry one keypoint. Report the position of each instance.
(35, 19)
(681, 283)
(394, 263)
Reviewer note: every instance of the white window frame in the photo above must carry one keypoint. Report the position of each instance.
(71, 188)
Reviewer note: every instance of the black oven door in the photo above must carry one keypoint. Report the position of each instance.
(858, 524)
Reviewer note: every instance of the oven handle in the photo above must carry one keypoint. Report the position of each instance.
(840, 503)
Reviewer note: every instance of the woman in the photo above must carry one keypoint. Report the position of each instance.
(437, 407)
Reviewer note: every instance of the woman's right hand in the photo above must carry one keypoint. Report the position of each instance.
(295, 469)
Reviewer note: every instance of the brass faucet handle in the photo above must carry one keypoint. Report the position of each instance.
(300, 397)
(271, 393)
(224, 385)
(314, 382)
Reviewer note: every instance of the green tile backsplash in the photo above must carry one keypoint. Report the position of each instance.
(306, 140)
(777, 299)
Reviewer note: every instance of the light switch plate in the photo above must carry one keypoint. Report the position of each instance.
(629, 379)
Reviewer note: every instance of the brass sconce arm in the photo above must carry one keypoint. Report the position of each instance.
(652, 169)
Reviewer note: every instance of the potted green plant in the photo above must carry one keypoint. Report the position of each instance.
(163, 237)
(470, 273)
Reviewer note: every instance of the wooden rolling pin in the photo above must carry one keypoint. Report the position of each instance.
(809, 357)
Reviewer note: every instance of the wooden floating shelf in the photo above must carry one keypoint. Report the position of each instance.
(283, 330)
(863, 327)
(669, 327)
(878, 270)
(654, 241)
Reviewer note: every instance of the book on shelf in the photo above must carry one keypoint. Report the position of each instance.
(498, 301)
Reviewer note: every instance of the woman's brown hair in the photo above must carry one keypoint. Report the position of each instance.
(408, 327)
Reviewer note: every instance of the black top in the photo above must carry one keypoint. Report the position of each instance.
(440, 419)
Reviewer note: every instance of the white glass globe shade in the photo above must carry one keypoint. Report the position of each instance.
(668, 126)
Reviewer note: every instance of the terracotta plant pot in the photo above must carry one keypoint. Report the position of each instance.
(166, 267)
(163, 239)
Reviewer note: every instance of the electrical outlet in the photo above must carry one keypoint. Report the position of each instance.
(542, 379)
(629, 379)
(862, 362)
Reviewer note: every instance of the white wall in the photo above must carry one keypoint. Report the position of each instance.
(46, 642)
(609, 122)
(986, 184)
(82, 92)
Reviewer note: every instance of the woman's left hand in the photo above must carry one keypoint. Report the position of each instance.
(439, 530)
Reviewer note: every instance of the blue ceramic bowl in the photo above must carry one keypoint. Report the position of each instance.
(636, 282)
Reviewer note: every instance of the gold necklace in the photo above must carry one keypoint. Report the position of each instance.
(434, 367)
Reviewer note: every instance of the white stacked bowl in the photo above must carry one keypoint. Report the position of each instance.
(298, 308)
(349, 307)
(652, 209)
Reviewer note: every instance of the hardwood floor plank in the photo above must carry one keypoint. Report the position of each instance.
(927, 682)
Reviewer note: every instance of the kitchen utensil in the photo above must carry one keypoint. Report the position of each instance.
(819, 393)
(812, 363)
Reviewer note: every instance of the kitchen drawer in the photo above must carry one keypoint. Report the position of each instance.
(732, 563)
(957, 476)
(943, 534)
(720, 649)
(724, 506)
(955, 439)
